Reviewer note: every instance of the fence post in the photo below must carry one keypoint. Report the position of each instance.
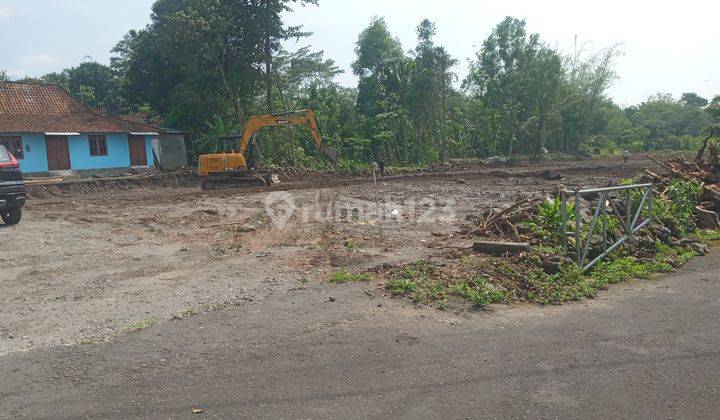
(628, 210)
(604, 217)
(578, 244)
(564, 230)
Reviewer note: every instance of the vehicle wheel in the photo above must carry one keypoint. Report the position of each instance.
(12, 216)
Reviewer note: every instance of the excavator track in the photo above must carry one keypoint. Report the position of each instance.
(221, 183)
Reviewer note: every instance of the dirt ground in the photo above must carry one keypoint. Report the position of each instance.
(85, 267)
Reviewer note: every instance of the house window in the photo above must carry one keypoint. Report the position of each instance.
(14, 146)
(98, 145)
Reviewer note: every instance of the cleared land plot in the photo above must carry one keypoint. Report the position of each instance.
(86, 267)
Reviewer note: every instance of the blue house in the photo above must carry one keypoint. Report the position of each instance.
(49, 131)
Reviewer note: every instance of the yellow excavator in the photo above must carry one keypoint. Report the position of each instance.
(233, 166)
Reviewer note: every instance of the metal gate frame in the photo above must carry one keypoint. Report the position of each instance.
(629, 223)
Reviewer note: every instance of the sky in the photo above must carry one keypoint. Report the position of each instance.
(668, 46)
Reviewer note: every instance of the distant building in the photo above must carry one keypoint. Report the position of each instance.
(48, 130)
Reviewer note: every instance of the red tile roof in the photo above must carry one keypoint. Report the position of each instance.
(37, 108)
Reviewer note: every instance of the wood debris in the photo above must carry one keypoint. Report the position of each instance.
(705, 169)
(507, 222)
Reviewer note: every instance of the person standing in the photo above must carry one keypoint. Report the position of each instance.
(626, 155)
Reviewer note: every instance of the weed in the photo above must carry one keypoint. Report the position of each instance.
(341, 277)
(480, 293)
(430, 292)
(708, 235)
(400, 286)
(138, 326)
(618, 270)
(421, 281)
(352, 245)
(547, 225)
(185, 314)
(568, 285)
(684, 196)
(220, 249)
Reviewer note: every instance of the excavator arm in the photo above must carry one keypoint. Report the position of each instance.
(304, 117)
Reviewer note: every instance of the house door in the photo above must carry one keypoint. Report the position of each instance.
(138, 154)
(58, 155)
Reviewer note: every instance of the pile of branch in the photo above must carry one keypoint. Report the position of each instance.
(704, 169)
(504, 223)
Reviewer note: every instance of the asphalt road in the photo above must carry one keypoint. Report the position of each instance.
(648, 349)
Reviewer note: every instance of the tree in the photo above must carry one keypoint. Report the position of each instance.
(197, 58)
(274, 32)
(95, 84)
(692, 99)
(60, 79)
(378, 53)
(516, 79)
(431, 86)
(713, 112)
(586, 84)
(667, 119)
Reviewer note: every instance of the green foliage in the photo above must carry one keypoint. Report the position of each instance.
(708, 235)
(684, 196)
(199, 62)
(139, 326)
(341, 277)
(619, 270)
(479, 292)
(547, 225)
(400, 286)
(419, 281)
(571, 284)
(670, 124)
(568, 285)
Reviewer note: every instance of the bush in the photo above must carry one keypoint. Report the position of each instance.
(547, 225)
(684, 196)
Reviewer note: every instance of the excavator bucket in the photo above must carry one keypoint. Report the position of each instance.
(332, 153)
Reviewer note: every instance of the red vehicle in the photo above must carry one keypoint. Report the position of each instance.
(12, 188)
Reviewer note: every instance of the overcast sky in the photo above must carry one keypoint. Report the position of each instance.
(669, 46)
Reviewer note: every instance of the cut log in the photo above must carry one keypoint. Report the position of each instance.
(507, 210)
(710, 193)
(668, 167)
(707, 219)
(499, 248)
(653, 175)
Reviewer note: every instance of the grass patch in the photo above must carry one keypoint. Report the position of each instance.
(479, 292)
(708, 235)
(571, 284)
(420, 281)
(342, 277)
(482, 280)
(138, 326)
(425, 283)
(400, 286)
